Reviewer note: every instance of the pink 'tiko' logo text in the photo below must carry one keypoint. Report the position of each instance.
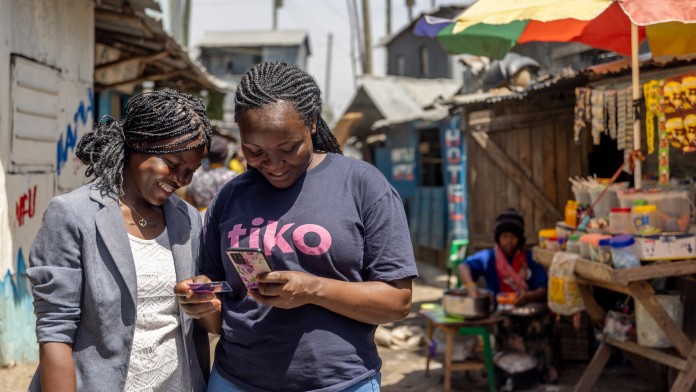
(274, 236)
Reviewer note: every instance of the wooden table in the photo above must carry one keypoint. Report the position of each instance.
(634, 282)
(450, 326)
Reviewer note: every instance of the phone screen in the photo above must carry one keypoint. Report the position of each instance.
(249, 263)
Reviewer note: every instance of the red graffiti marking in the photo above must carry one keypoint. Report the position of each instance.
(26, 206)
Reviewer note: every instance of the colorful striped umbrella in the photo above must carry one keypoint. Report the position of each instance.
(492, 27)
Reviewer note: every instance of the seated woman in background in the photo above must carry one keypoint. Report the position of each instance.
(509, 267)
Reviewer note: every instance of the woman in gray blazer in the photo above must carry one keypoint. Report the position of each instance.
(107, 255)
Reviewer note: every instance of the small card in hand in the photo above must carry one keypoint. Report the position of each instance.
(210, 287)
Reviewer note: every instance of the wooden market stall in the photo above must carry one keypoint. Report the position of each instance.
(634, 282)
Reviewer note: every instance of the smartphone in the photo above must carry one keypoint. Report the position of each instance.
(210, 287)
(249, 263)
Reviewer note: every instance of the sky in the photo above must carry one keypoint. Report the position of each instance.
(318, 18)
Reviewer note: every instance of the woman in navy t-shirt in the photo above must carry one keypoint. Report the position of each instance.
(335, 231)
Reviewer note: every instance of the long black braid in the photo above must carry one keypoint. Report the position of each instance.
(150, 121)
(270, 82)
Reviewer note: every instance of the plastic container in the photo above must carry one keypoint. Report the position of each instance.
(674, 209)
(623, 254)
(602, 252)
(553, 243)
(649, 334)
(645, 219)
(608, 201)
(573, 244)
(589, 243)
(620, 221)
(544, 234)
(562, 230)
(582, 195)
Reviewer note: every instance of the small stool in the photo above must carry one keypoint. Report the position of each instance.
(451, 326)
(487, 352)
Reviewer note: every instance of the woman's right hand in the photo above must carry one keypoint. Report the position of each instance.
(196, 305)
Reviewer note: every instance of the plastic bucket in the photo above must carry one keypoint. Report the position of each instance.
(649, 334)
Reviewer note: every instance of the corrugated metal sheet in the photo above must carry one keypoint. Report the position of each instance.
(401, 99)
(126, 27)
(213, 39)
(502, 94)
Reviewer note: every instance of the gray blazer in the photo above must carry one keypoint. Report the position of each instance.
(84, 285)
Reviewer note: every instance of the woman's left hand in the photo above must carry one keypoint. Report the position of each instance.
(285, 289)
(522, 298)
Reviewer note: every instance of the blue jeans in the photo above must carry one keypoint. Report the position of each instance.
(217, 383)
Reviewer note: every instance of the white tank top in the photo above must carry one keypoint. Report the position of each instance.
(157, 360)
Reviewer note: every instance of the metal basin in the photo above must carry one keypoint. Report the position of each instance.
(457, 302)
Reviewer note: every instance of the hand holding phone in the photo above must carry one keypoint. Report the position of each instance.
(210, 287)
(249, 263)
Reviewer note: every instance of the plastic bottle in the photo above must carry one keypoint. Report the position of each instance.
(571, 213)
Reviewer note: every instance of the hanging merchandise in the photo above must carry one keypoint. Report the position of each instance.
(610, 100)
(651, 94)
(582, 111)
(621, 119)
(678, 104)
(598, 120)
(663, 142)
(628, 141)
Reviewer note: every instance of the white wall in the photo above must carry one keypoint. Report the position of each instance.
(46, 104)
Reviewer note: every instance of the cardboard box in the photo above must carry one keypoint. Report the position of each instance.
(666, 246)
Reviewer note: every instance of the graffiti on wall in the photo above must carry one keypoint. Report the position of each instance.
(26, 206)
(19, 344)
(403, 163)
(68, 140)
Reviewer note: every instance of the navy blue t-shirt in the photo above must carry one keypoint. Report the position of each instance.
(483, 263)
(340, 220)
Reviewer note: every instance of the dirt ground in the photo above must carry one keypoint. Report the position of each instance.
(404, 370)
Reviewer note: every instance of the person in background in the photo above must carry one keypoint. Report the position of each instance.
(207, 181)
(335, 231)
(107, 254)
(509, 268)
(237, 163)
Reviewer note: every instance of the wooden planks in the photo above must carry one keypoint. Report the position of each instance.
(634, 282)
(514, 173)
(644, 293)
(594, 369)
(650, 353)
(594, 271)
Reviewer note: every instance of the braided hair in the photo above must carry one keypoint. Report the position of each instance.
(270, 82)
(158, 122)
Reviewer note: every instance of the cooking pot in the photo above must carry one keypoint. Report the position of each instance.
(457, 302)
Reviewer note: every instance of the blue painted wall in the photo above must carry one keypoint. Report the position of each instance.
(16, 311)
(426, 207)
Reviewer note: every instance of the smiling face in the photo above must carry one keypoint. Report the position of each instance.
(153, 178)
(277, 142)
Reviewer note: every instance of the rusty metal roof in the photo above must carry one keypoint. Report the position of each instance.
(564, 79)
(402, 99)
(132, 47)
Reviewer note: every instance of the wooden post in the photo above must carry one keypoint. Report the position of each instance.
(635, 78)
(367, 65)
(594, 369)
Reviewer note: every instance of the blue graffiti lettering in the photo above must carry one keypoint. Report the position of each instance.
(79, 120)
